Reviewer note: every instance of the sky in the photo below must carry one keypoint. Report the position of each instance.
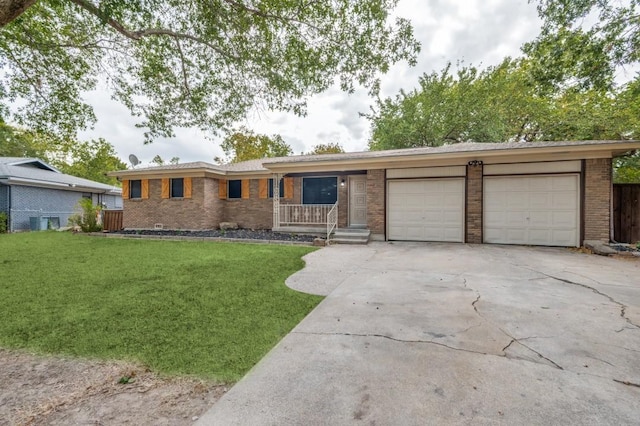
(475, 32)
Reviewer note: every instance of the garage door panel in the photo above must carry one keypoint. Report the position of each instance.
(426, 210)
(539, 210)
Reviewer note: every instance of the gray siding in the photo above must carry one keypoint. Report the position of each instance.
(29, 202)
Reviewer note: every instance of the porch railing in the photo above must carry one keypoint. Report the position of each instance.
(332, 220)
(305, 214)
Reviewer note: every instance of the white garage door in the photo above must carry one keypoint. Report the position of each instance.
(426, 210)
(535, 210)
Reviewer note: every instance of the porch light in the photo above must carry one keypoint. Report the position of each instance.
(475, 163)
(342, 182)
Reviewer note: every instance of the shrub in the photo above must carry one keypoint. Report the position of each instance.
(4, 222)
(87, 218)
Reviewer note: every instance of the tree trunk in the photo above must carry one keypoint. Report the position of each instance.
(11, 9)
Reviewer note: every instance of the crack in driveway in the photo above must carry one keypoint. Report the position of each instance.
(623, 307)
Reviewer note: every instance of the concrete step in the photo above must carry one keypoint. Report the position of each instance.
(351, 236)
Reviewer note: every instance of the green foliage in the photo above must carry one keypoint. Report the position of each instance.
(4, 222)
(501, 103)
(244, 144)
(327, 148)
(197, 308)
(87, 218)
(89, 160)
(569, 52)
(627, 169)
(192, 63)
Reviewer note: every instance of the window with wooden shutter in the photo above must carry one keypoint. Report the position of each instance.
(165, 188)
(145, 189)
(222, 189)
(187, 187)
(245, 188)
(288, 188)
(125, 189)
(263, 188)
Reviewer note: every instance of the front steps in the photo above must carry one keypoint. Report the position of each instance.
(350, 236)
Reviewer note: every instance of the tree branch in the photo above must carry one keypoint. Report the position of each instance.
(139, 34)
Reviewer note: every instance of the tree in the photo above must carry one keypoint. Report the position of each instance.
(327, 148)
(569, 52)
(189, 63)
(244, 144)
(89, 160)
(157, 160)
(502, 103)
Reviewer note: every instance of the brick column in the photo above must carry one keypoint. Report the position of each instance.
(376, 203)
(343, 201)
(474, 205)
(597, 199)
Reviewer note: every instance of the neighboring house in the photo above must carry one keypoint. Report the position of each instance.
(542, 193)
(31, 188)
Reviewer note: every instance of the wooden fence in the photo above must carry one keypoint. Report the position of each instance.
(111, 220)
(626, 212)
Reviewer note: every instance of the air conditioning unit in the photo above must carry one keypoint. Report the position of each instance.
(158, 226)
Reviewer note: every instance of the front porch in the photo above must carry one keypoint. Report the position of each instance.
(333, 207)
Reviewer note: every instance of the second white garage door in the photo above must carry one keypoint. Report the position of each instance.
(426, 210)
(535, 210)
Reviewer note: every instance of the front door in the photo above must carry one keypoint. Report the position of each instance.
(358, 201)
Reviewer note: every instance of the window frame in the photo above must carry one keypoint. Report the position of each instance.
(171, 192)
(270, 188)
(238, 189)
(131, 189)
(302, 197)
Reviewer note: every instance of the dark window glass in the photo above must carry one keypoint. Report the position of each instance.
(235, 189)
(135, 189)
(322, 190)
(271, 188)
(177, 188)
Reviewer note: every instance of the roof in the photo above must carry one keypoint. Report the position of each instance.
(367, 158)
(35, 172)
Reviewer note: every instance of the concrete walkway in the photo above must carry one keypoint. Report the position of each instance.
(414, 334)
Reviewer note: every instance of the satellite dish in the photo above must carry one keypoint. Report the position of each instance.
(134, 160)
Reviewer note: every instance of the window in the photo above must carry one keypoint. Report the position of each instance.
(177, 188)
(320, 190)
(235, 189)
(135, 189)
(281, 188)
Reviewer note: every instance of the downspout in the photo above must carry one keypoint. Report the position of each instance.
(9, 219)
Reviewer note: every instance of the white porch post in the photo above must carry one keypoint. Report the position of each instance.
(276, 200)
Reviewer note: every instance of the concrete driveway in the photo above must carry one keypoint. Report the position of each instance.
(414, 334)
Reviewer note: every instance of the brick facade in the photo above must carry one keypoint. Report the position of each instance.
(474, 205)
(172, 213)
(376, 203)
(250, 213)
(597, 199)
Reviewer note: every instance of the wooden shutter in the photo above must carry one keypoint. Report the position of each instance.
(187, 186)
(222, 189)
(245, 188)
(165, 188)
(288, 188)
(125, 189)
(144, 184)
(263, 188)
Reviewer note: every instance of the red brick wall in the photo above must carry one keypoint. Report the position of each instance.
(172, 213)
(250, 213)
(597, 199)
(474, 205)
(376, 202)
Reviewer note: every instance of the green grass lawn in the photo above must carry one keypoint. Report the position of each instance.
(205, 309)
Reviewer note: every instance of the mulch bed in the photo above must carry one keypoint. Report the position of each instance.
(243, 234)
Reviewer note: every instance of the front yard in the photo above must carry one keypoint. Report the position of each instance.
(205, 309)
